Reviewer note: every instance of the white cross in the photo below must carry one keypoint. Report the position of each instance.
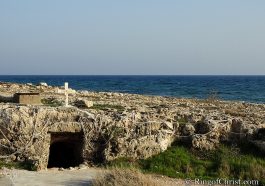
(66, 93)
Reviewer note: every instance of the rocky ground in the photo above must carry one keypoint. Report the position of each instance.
(128, 125)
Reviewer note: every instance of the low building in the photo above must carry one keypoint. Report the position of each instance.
(27, 98)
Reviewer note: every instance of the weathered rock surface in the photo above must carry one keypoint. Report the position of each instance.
(122, 125)
(82, 103)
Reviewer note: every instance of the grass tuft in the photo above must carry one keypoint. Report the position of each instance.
(52, 102)
(124, 177)
(17, 165)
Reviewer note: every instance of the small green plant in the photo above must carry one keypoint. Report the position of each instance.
(52, 102)
(182, 121)
(18, 165)
(124, 163)
(117, 131)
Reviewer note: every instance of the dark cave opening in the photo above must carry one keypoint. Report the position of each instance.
(66, 150)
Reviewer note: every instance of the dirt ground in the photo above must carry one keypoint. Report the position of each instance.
(49, 177)
(55, 177)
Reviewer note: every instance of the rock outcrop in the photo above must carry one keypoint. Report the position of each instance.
(115, 125)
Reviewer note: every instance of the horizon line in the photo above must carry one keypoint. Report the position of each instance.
(132, 74)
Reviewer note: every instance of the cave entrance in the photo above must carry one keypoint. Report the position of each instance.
(66, 150)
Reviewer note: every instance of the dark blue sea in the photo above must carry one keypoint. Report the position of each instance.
(242, 88)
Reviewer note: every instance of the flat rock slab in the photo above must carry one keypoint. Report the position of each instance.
(49, 177)
(5, 181)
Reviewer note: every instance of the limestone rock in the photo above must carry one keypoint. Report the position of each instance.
(43, 84)
(201, 142)
(188, 130)
(236, 126)
(168, 125)
(82, 103)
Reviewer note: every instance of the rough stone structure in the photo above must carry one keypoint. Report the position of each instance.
(119, 125)
(27, 98)
(30, 130)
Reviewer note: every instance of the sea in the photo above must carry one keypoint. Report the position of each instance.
(235, 88)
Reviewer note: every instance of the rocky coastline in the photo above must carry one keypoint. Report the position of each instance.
(116, 125)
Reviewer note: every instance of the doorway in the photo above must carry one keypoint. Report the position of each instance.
(66, 150)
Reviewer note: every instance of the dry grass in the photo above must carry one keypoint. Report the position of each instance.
(236, 113)
(125, 177)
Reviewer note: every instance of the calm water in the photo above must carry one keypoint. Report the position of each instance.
(243, 88)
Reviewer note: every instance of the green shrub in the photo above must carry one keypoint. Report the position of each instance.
(52, 102)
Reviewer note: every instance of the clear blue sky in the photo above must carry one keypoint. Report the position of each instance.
(132, 37)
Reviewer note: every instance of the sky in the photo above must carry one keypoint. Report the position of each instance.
(139, 37)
